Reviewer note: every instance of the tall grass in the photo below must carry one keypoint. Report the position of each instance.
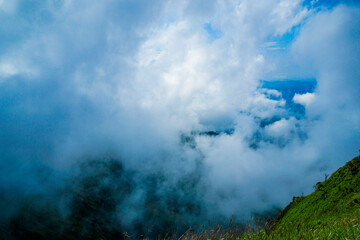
(345, 228)
(255, 227)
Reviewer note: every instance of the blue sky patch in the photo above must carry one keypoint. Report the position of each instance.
(328, 3)
(213, 32)
(282, 42)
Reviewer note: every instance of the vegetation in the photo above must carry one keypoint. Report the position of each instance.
(332, 211)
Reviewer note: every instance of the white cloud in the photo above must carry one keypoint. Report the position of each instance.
(131, 77)
(329, 43)
(304, 99)
(11, 67)
(287, 14)
(281, 128)
(8, 6)
(7, 69)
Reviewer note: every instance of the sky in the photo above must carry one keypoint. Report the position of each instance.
(148, 82)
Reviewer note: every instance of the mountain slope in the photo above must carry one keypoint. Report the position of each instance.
(332, 211)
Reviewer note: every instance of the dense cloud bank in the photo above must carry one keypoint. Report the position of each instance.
(171, 92)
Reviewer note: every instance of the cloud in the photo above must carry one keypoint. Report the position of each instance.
(305, 99)
(328, 43)
(7, 6)
(280, 128)
(8, 69)
(141, 81)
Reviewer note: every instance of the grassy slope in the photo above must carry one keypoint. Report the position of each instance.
(332, 211)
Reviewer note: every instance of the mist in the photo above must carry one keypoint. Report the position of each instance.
(167, 114)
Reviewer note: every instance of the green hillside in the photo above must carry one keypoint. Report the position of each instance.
(332, 211)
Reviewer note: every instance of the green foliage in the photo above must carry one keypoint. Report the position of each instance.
(332, 210)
